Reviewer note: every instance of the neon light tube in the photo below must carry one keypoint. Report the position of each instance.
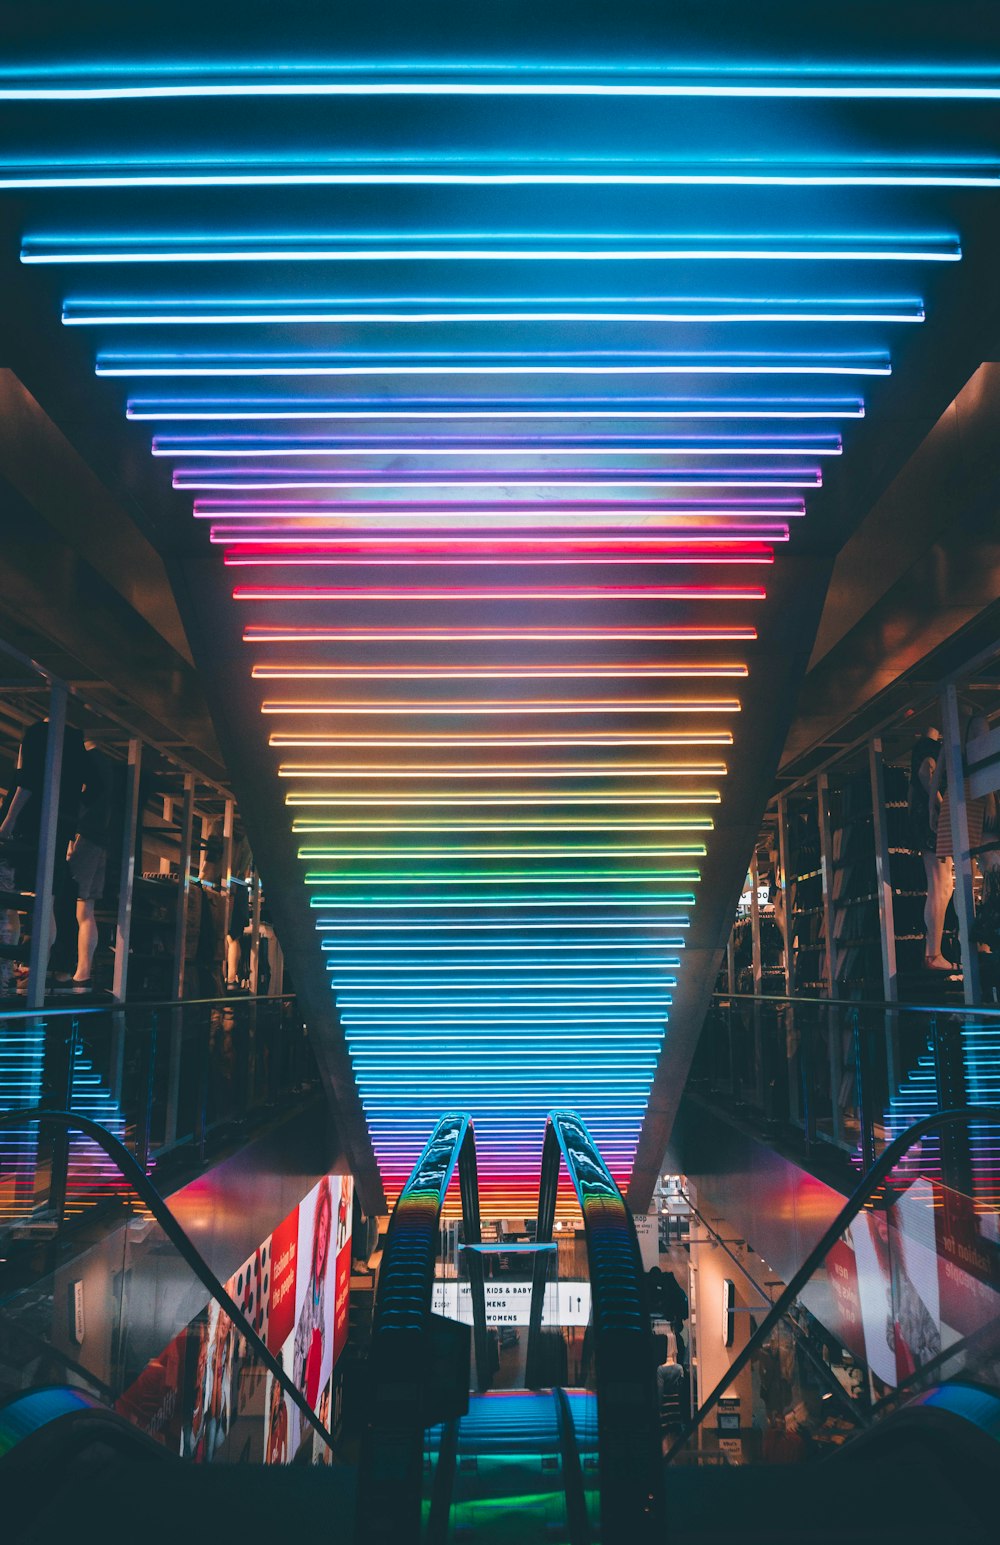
(410, 171)
(425, 876)
(517, 706)
(626, 671)
(329, 553)
(616, 769)
(612, 515)
(677, 823)
(487, 799)
(269, 479)
(433, 310)
(450, 411)
(474, 78)
(356, 1012)
(506, 946)
(586, 738)
(601, 446)
(590, 363)
(283, 553)
(271, 633)
(598, 899)
(663, 538)
(446, 543)
(296, 247)
(515, 850)
(478, 925)
(570, 593)
(546, 976)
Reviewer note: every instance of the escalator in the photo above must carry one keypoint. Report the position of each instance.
(587, 1466)
(444, 1457)
(514, 1468)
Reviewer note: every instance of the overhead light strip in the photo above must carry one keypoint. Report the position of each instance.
(137, 81)
(486, 246)
(262, 310)
(456, 410)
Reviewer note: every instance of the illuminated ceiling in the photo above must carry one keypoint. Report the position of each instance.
(513, 392)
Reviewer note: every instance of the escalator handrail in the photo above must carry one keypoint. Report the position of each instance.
(859, 1198)
(132, 1172)
(390, 1471)
(577, 1517)
(140, 1006)
(628, 1428)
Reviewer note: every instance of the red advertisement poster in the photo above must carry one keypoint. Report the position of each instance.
(344, 1186)
(968, 1264)
(842, 1272)
(284, 1266)
(154, 1402)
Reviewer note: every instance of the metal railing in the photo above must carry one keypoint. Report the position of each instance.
(136, 1183)
(844, 1078)
(869, 1190)
(161, 1077)
(631, 1500)
(399, 1389)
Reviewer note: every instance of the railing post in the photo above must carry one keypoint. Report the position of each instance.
(826, 877)
(758, 1033)
(886, 911)
(131, 846)
(949, 1068)
(783, 862)
(183, 887)
(965, 903)
(758, 969)
(864, 1098)
(201, 1108)
(48, 836)
(62, 1099)
(255, 899)
(147, 1080)
(807, 1056)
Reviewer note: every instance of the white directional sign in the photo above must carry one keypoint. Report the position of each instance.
(509, 1303)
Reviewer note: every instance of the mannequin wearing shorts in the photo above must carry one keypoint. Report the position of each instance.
(87, 856)
(20, 817)
(924, 807)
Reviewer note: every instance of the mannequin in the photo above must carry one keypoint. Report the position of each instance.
(21, 815)
(239, 918)
(926, 768)
(976, 724)
(87, 855)
(212, 927)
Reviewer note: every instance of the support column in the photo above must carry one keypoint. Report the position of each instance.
(883, 877)
(783, 854)
(38, 958)
(131, 846)
(758, 969)
(965, 904)
(254, 930)
(826, 877)
(183, 887)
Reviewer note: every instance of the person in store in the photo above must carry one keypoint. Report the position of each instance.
(924, 805)
(671, 1384)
